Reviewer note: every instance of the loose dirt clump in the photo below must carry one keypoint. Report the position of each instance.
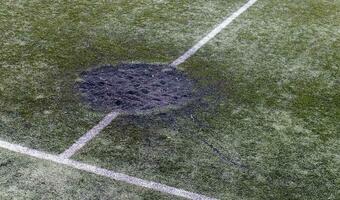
(135, 87)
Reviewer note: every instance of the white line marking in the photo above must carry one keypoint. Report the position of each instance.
(81, 142)
(212, 34)
(63, 158)
(103, 172)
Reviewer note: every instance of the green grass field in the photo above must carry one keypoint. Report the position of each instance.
(267, 128)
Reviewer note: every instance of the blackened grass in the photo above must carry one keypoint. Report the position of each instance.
(134, 88)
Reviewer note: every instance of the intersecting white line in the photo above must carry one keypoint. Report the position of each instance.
(212, 34)
(81, 142)
(63, 158)
(102, 172)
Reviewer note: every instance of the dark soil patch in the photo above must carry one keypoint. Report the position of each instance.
(135, 87)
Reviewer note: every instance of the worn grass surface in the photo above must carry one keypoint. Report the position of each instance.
(24, 178)
(275, 126)
(45, 44)
(267, 129)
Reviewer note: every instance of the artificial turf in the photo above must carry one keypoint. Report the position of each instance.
(267, 129)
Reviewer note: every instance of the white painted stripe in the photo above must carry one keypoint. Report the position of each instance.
(103, 172)
(63, 158)
(81, 142)
(212, 34)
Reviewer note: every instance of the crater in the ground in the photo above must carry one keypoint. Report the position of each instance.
(135, 87)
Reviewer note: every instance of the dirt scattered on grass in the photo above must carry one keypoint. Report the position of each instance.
(135, 87)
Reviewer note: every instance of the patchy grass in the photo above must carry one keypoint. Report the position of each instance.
(45, 45)
(26, 178)
(267, 129)
(272, 130)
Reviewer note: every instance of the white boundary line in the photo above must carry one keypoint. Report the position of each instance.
(81, 142)
(212, 34)
(63, 158)
(103, 172)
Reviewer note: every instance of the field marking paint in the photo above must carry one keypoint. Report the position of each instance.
(81, 142)
(212, 34)
(102, 172)
(63, 158)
